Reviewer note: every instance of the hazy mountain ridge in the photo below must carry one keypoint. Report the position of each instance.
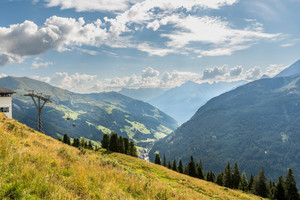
(93, 114)
(256, 125)
(291, 70)
(182, 102)
(143, 94)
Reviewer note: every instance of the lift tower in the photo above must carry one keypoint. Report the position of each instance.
(39, 104)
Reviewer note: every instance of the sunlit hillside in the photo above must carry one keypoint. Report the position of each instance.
(36, 166)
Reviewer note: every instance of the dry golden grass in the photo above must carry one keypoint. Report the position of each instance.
(35, 166)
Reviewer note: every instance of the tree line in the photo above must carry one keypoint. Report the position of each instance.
(110, 142)
(118, 144)
(284, 189)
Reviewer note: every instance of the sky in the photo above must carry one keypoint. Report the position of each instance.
(102, 45)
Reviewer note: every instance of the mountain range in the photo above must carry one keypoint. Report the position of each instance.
(255, 125)
(182, 102)
(92, 114)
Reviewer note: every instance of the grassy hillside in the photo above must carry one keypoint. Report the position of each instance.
(93, 114)
(36, 166)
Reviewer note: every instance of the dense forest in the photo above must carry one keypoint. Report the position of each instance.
(285, 188)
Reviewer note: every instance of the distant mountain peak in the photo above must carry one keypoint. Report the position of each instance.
(291, 70)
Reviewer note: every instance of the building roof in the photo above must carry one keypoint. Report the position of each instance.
(5, 91)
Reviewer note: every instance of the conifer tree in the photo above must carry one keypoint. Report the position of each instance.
(169, 165)
(243, 185)
(279, 190)
(199, 170)
(251, 183)
(180, 167)
(132, 149)
(271, 189)
(174, 166)
(236, 176)
(157, 159)
(192, 168)
(105, 141)
(114, 142)
(210, 176)
(227, 176)
(76, 142)
(66, 139)
(90, 145)
(121, 145)
(164, 161)
(260, 185)
(219, 180)
(83, 142)
(291, 189)
(126, 145)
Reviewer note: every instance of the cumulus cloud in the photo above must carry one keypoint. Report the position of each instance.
(253, 73)
(236, 71)
(149, 72)
(79, 83)
(211, 73)
(27, 38)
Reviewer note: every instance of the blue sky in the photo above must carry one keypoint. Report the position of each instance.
(102, 45)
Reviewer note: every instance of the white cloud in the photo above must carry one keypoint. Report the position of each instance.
(212, 32)
(26, 39)
(274, 69)
(253, 73)
(236, 71)
(90, 5)
(149, 72)
(80, 83)
(153, 51)
(211, 73)
(38, 63)
(3, 75)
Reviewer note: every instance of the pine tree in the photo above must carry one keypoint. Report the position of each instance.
(251, 183)
(210, 176)
(105, 141)
(132, 149)
(279, 190)
(290, 186)
(164, 161)
(121, 145)
(157, 159)
(126, 145)
(219, 180)
(243, 185)
(199, 170)
(180, 167)
(192, 168)
(76, 142)
(83, 142)
(169, 165)
(174, 166)
(260, 185)
(227, 176)
(66, 139)
(236, 176)
(271, 189)
(114, 142)
(90, 145)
